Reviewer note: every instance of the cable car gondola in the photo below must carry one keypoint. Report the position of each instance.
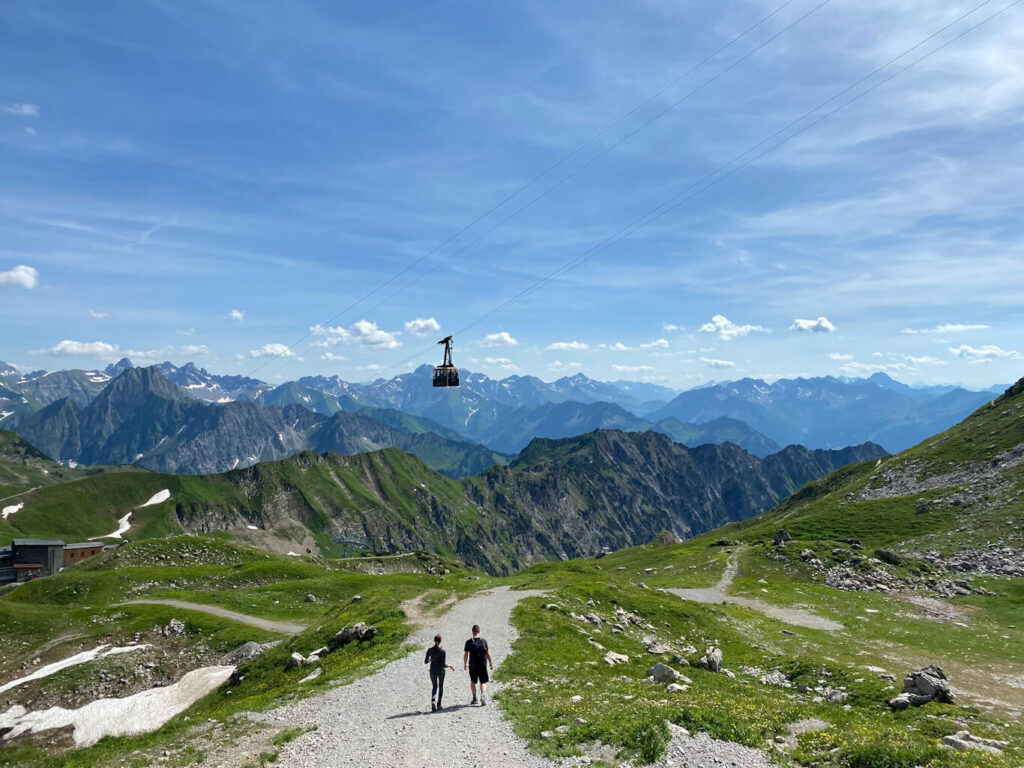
(446, 374)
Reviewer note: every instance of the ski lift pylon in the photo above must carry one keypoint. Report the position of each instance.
(446, 374)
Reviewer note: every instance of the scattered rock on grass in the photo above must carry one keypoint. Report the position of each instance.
(356, 633)
(612, 658)
(924, 685)
(711, 660)
(964, 740)
(662, 673)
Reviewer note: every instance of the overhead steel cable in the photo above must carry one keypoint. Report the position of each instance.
(709, 180)
(557, 164)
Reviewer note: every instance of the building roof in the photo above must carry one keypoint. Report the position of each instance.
(38, 543)
(84, 545)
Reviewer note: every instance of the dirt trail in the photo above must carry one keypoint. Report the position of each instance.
(719, 593)
(385, 720)
(286, 627)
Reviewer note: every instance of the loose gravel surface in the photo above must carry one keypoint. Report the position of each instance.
(702, 751)
(385, 720)
(719, 593)
(287, 627)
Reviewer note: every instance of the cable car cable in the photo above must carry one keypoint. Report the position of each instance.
(695, 189)
(554, 166)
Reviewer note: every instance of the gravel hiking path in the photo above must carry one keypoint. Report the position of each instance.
(384, 721)
(720, 594)
(286, 627)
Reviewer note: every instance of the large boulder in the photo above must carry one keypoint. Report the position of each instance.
(781, 537)
(964, 740)
(663, 673)
(924, 685)
(244, 653)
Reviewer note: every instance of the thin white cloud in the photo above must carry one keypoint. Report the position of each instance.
(273, 349)
(568, 346)
(69, 348)
(984, 354)
(186, 332)
(370, 367)
(500, 339)
(20, 277)
(856, 370)
(656, 344)
(925, 360)
(22, 109)
(364, 333)
(618, 346)
(99, 315)
(559, 367)
(331, 357)
(422, 326)
(235, 315)
(728, 330)
(711, 362)
(839, 356)
(502, 362)
(634, 368)
(821, 325)
(947, 328)
(30, 130)
(671, 327)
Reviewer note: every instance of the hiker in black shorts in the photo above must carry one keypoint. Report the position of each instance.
(437, 658)
(477, 658)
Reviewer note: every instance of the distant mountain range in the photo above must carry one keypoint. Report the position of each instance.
(505, 415)
(559, 499)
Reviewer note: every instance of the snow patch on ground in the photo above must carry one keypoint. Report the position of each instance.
(8, 511)
(294, 554)
(122, 527)
(132, 715)
(99, 652)
(157, 498)
(253, 527)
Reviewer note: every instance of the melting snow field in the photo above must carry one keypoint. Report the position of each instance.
(158, 498)
(8, 511)
(141, 713)
(99, 652)
(122, 527)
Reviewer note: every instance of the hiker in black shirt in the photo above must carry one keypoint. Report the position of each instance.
(477, 658)
(436, 658)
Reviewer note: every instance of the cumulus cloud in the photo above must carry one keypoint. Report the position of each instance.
(559, 367)
(69, 348)
(99, 315)
(984, 354)
(947, 328)
(634, 368)
(363, 332)
(502, 362)
(568, 346)
(656, 344)
(22, 109)
(500, 339)
(272, 349)
(821, 325)
(422, 326)
(711, 362)
(331, 357)
(618, 346)
(235, 315)
(839, 356)
(728, 330)
(20, 277)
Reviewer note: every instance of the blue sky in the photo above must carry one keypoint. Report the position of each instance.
(213, 181)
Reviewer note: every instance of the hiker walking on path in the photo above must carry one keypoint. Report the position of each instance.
(437, 659)
(476, 658)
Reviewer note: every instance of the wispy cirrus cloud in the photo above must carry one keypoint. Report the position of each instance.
(947, 328)
(634, 368)
(22, 109)
(711, 362)
(984, 354)
(99, 315)
(568, 346)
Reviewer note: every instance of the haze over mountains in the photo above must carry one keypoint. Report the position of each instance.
(502, 415)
